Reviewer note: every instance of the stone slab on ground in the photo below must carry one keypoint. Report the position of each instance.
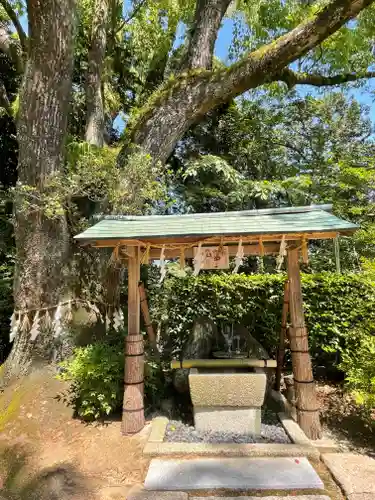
(299, 497)
(354, 473)
(139, 493)
(361, 496)
(232, 473)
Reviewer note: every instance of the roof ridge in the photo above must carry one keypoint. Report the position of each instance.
(238, 213)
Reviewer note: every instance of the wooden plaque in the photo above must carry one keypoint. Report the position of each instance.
(214, 257)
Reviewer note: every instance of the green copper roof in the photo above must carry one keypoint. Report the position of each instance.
(313, 219)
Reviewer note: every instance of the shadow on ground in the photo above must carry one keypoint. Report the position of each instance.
(19, 482)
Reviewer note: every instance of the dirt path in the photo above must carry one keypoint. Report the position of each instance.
(39, 440)
(47, 454)
(345, 422)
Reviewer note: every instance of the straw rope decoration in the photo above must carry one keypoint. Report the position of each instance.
(261, 247)
(305, 251)
(146, 254)
(15, 322)
(182, 258)
(41, 318)
(239, 257)
(206, 241)
(282, 254)
(198, 259)
(118, 320)
(56, 325)
(163, 269)
(34, 332)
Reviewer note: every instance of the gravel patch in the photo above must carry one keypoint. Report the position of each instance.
(271, 432)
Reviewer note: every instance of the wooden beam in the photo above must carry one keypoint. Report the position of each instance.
(133, 407)
(253, 249)
(214, 240)
(306, 400)
(281, 349)
(269, 249)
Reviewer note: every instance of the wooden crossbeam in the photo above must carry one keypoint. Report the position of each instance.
(217, 240)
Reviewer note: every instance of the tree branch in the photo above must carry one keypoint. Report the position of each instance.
(170, 113)
(289, 145)
(132, 15)
(292, 78)
(136, 9)
(16, 23)
(274, 57)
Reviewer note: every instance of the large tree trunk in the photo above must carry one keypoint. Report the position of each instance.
(170, 113)
(207, 20)
(95, 119)
(42, 243)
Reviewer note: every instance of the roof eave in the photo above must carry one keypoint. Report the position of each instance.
(340, 231)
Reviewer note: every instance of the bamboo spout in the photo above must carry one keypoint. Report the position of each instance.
(223, 363)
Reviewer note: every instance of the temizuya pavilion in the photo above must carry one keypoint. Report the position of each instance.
(282, 231)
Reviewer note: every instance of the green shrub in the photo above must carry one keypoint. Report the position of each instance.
(156, 386)
(359, 367)
(96, 373)
(336, 308)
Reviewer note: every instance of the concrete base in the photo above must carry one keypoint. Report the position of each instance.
(228, 419)
(227, 401)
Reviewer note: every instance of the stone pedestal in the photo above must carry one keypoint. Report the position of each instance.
(227, 402)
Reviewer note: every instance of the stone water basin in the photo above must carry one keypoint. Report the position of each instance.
(228, 400)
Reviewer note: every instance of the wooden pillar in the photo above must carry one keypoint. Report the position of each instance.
(133, 408)
(281, 349)
(306, 401)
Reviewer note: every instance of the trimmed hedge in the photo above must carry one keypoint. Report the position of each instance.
(339, 308)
